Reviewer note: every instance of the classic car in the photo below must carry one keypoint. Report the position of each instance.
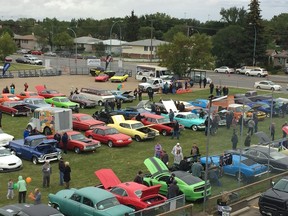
(119, 77)
(5, 138)
(132, 194)
(48, 93)
(102, 77)
(34, 103)
(22, 60)
(260, 154)
(82, 100)
(78, 143)
(190, 108)
(8, 161)
(189, 120)
(99, 96)
(244, 170)
(87, 201)
(109, 136)
(8, 97)
(133, 128)
(15, 108)
(62, 102)
(159, 123)
(130, 112)
(29, 210)
(200, 103)
(84, 122)
(239, 109)
(193, 187)
(264, 107)
(123, 96)
(104, 116)
(28, 94)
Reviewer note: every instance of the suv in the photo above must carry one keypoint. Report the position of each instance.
(245, 69)
(260, 72)
(35, 61)
(155, 84)
(275, 200)
(99, 96)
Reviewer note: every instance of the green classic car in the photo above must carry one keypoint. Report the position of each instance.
(62, 102)
(192, 187)
(91, 201)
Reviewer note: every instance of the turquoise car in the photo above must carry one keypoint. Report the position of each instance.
(62, 102)
(192, 187)
(189, 120)
(91, 201)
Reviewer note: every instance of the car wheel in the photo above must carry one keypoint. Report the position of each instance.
(56, 206)
(29, 128)
(12, 114)
(258, 75)
(240, 177)
(216, 71)
(110, 143)
(164, 132)
(194, 128)
(226, 72)
(34, 160)
(13, 152)
(100, 103)
(268, 115)
(258, 87)
(247, 74)
(144, 79)
(82, 106)
(273, 89)
(137, 138)
(47, 131)
(76, 150)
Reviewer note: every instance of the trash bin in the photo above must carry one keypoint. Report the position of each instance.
(220, 205)
(226, 210)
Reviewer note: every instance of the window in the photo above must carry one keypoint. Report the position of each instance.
(119, 191)
(100, 132)
(76, 197)
(145, 48)
(87, 202)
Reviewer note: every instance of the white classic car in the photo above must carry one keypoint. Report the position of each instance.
(8, 161)
(5, 138)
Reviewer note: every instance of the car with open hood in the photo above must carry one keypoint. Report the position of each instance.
(109, 136)
(133, 128)
(15, 108)
(8, 161)
(203, 103)
(84, 122)
(123, 96)
(48, 93)
(132, 194)
(8, 97)
(102, 77)
(28, 94)
(87, 201)
(192, 187)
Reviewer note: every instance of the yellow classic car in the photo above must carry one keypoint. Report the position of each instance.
(119, 77)
(133, 128)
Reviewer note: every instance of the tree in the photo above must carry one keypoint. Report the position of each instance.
(169, 35)
(185, 53)
(132, 28)
(233, 15)
(278, 27)
(63, 40)
(7, 45)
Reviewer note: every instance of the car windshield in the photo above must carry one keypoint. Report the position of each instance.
(137, 125)
(138, 193)
(14, 103)
(282, 185)
(162, 120)
(104, 92)
(265, 106)
(39, 102)
(111, 131)
(4, 152)
(86, 117)
(271, 83)
(191, 116)
(64, 100)
(277, 155)
(107, 203)
(52, 92)
(36, 142)
(78, 137)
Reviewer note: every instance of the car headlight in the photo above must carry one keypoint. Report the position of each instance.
(119, 141)
(129, 139)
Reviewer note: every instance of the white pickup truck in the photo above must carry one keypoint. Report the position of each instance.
(155, 84)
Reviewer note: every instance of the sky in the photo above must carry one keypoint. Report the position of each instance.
(202, 10)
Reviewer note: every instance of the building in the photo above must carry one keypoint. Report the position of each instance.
(113, 46)
(281, 59)
(28, 42)
(87, 42)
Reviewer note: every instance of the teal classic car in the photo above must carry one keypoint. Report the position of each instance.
(189, 120)
(192, 187)
(91, 201)
(62, 102)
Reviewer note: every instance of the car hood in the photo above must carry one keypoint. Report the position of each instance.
(155, 165)
(276, 194)
(153, 190)
(5, 136)
(20, 107)
(169, 104)
(10, 159)
(40, 88)
(142, 104)
(107, 177)
(94, 122)
(118, 136)
(66, 193)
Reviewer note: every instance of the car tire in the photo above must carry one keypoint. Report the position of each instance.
(138, 138)
(47, 131)
(110, 144)
(216, 71)
(259, 75)
(258, 87)
(34, 160)
(77, 150)
(13, 152)
(82, 106)
(247, 74)
(272, 89)
(55, 206)
(29, 128)
(100, 103)
(194, 128)
(144, 79)
(164, 133)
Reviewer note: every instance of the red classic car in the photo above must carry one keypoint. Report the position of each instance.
(160, 123)
(77, 142)
(109, 135)
(48, 93)
(135, 195)
(8, 97)
(84, 122)
(15, 108)
(102, 78)
(36, 52)
(28, 94)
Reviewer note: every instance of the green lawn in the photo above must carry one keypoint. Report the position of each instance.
(127, 161)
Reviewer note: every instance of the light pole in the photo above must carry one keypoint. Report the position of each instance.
(75, 46)
(111, 34)
(254, 49)
(151, 44)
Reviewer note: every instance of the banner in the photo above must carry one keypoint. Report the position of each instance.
(6, 67)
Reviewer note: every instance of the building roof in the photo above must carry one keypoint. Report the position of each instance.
(146, 42)
(24, 37)
(87, 40)
(283, 54)
(113, 42)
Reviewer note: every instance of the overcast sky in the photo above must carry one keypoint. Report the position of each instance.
(202, 10)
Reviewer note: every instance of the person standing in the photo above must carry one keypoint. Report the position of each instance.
(150, 93)
(61, 167)
(204, 82)
(170, 179)
(139, 177)
(234, 140)
(211, 87)
(65, 142)
(178, 155)
(173, 190)
(26, 86)
(247, 141)
(251, 126)
(0, 119)
(284, 133)
(22, 190)
(165, 158)
(26, 133)
(135, 92)
(140, 95)
(67, 175)
(175, 130)
(118, 104)
(112, 104)
(57, 137)
(171, 115)
(158, 150)
(36, 196)
(10, 192)
(272, 131)
(197, 169)
(46, 171)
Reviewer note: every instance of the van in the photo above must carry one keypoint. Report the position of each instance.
(97, 95)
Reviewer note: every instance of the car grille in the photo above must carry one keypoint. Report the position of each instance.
(151, 134)
(201, 188)
(11, 164)
(273, 203)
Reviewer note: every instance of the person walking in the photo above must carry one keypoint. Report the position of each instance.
(204, 82)
(176, 130)
(61, 167)
(272, 131)
(234, 140)
(46, 171)
(67, 175)
(10, 192)
(65, 142)
(211, 87)
(22, 190)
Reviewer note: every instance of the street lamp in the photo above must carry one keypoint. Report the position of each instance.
(254, 49)
(75, 46)
(111, 34)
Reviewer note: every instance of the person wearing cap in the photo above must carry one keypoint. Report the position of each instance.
(46, 171)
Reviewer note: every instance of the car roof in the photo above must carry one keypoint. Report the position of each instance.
(150, 115)
(44, 209)
(103, 127)
(131, 186)
(90, 192)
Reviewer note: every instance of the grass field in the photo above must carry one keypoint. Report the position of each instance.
(126, 161)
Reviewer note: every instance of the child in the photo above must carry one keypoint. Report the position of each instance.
(10, 193)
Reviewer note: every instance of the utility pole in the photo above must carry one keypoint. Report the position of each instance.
(151, 45)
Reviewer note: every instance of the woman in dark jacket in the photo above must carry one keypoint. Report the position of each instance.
(67, 176)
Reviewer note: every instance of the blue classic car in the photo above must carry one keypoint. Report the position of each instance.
(200, 103)
(34, 103)
(247, 170)
(129, 112)
(264, 107)
(189, 120)
(123, 96)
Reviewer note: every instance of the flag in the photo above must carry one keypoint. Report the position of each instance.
(5, 67)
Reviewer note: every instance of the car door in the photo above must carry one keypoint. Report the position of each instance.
(121, 195)
(72, 205)
(99, 135)
(56, 102)
(76, 123)
(87, 207)
(126, 129)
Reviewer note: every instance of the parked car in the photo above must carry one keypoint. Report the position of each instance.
(266, 84)
(29, 94)
(84, 122)
(8, 97)
(130, 112)
(35, 61)
(155, 84)
(109, 136)
(62, 102)
(97, 95)
(34, 103)
(259, 72)
(87, 201)
(123, 96)
(22, 60)
(15, 108)
(132, 194)
(192, 187)
(104, 116)
(264, 107)
(25, 209)
(133, 128)
(196, 78)
(36, 52)
(239, 109)
(274, 200)
(203, 103)
(102, 77)
(224, 69)
(8, 161)
(48, 93)
(5, 138)
(53, 54)
(82, 100)
(245, 69)
(119, 77)
(22, 51)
